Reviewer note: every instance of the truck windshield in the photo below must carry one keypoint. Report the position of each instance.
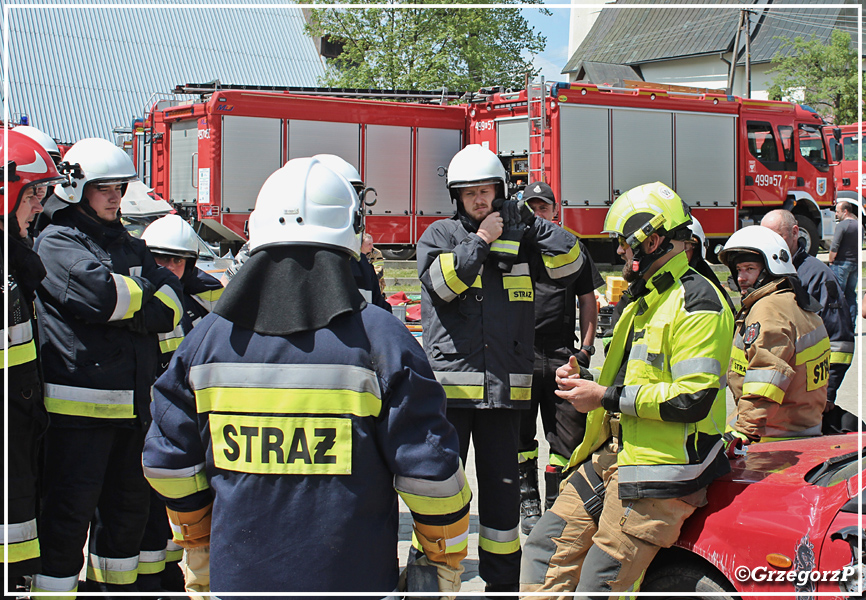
(852, 146)
(812, 145)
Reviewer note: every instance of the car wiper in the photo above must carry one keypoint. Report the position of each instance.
(818, 471)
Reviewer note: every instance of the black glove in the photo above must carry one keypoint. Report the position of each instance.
(515, 214)
(582, 359)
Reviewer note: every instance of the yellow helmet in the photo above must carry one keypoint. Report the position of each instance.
(648, 208)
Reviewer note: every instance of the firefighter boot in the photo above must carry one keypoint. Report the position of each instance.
(552, 480)
(530, 501)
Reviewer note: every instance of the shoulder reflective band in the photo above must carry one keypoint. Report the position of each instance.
(286, 389)
(167, 296)
(282, 445)
(562, 265)
(87, 402)
(22, 348)
(128, 298)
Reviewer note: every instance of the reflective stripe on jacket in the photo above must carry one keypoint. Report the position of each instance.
(200, 295)
(302, 440)
(779, 367)
(672, 395)
(479, 322)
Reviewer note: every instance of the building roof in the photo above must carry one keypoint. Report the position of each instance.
(82, 72)
(627, 34)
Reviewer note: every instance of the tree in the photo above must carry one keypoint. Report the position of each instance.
(419, 49)
(825, 75)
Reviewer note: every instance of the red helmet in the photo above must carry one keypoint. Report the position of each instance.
(33, 166)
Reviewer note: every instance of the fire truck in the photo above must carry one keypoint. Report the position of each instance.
(731, 159)
(212, 155)
(846, 171)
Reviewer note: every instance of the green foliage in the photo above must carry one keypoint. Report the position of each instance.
(425, 49)
(825, 75)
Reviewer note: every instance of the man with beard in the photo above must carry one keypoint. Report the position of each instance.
(478, 319)
(652, 442)
(101, 305)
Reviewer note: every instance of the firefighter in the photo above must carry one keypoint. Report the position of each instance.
(27, 166)
(297, 429)
(555, 323)
(174, 245)
(100, 307)
(780, 364)
(653, 441)
(822, 285)
(478, 319)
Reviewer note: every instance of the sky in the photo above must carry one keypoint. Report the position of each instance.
(555, 28)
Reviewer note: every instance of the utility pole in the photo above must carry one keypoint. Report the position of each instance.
(748, 19)
(733, 66)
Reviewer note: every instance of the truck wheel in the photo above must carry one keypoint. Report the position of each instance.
(692, 577)
(809, 232)
(398, 252)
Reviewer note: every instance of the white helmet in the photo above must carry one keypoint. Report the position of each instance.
(341, 166)
(171, 235)
(307, 203)
(474, 165)
(698, 232)
(757, 239)
(100, 162)
(43, 139)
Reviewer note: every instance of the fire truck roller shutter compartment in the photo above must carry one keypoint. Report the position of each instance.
(388, 169)
(585, 157)
(642, 148)
(184, 166)
(308, 138)
(436, 147)
(512, 138)
(705, 168)
(251, 152)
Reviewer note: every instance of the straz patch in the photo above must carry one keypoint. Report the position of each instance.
(520, 295)
(739, 367)
(282, 445)
(751, 334)
(818, 372)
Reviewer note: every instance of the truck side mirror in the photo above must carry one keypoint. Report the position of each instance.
(837, 134)
(837, 152)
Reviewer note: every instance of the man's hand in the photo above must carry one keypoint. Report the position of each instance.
(583, 395)
(490, 228)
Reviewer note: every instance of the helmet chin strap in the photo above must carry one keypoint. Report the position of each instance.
(88, 210)
(642, 261)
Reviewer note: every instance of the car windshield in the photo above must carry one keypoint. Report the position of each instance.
(835, 470)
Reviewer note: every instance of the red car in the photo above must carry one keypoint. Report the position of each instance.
(784, 520)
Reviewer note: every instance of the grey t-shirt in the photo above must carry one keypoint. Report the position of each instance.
(845, 240)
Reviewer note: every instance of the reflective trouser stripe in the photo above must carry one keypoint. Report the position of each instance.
(87, 402)
(173, 552)
(496, 541)
(22, 348)
(118, 571)
(44, 583)
(151, 561)
(843, 358)
(522, 457)
(22, 542)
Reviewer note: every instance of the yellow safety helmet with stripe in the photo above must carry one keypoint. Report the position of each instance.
(646, 209)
